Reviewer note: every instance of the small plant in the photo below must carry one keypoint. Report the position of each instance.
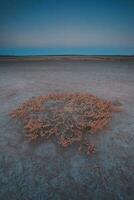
(68, 117)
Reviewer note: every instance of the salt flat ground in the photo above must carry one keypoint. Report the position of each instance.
(45, 171)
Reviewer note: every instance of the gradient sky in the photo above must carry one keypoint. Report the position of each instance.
(66, 27)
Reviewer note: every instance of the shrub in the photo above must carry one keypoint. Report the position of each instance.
(68, 117)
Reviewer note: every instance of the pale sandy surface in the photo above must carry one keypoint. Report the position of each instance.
(44, 171)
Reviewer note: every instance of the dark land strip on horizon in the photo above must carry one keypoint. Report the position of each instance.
(67, 58)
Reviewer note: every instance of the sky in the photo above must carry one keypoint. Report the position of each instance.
(58, 27)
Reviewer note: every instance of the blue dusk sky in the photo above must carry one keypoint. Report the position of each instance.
(53, 27)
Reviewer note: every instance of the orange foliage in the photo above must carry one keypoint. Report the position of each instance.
(67, 116)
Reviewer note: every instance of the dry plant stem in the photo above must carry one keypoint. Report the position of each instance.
(66, 116)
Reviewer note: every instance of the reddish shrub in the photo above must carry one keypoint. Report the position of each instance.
(69, 117)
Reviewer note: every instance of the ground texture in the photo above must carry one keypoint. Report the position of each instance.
(44, 170)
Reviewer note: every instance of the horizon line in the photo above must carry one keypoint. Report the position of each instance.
(34, 55)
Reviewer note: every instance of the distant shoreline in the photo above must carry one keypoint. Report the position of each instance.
(68, 58)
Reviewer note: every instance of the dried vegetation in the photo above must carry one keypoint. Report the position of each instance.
(69, 117)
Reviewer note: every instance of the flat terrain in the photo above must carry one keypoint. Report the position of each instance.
(66, 58)
(45, 171)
